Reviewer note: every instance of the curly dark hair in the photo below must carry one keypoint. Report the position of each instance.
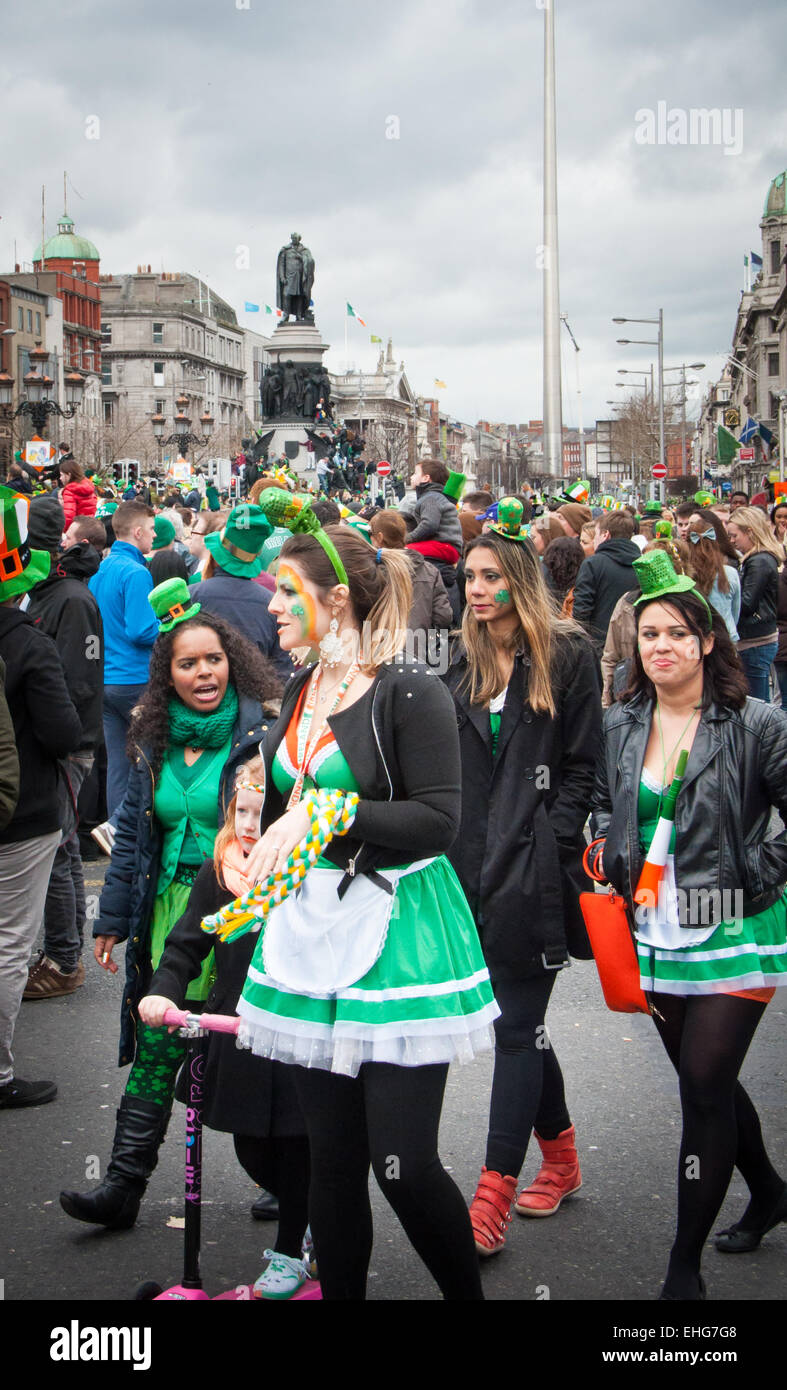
(724, 680)
(250, 673)
(563, 558)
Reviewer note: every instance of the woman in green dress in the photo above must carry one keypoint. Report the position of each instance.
(370, 980)
(712, 941)
(201, 716)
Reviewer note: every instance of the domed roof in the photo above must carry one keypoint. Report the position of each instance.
(776, 201)
(66, 245)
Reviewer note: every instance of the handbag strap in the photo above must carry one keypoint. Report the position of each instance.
(590, 860)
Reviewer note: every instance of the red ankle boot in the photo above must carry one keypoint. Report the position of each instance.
(490, 1211)
(558, 1177)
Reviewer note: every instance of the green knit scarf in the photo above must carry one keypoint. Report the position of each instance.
(191, 728)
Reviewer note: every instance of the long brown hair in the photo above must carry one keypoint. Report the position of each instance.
(381, 594)
(536, 630)
(252, 771)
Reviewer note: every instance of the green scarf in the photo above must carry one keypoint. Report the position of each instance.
(192, 728)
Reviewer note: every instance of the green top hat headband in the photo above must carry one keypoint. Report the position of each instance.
(455, 486)
(293, 510)
(658, 580)
(509, 520)
(171, 603)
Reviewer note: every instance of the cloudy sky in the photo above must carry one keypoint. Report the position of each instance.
(226, 124)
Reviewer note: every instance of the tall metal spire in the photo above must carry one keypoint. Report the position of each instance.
(553, 406)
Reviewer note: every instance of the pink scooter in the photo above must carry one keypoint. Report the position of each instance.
(190, 1289)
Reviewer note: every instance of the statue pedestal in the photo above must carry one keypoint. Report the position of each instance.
(301, 342)
(302, 345)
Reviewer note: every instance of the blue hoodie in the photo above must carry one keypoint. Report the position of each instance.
(121, 587)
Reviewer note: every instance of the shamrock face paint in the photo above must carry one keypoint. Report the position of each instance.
(502, 596)
(295, 609)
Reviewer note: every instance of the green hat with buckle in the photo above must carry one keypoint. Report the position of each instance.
(658, 579)
(172, 603)
(237, 548)
(21, 567)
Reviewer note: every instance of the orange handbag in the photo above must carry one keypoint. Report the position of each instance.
(607, 922)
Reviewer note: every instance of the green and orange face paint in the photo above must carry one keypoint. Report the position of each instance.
(298, 601)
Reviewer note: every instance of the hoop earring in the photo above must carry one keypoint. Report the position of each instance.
(331, 646)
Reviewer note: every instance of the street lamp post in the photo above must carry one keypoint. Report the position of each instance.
(660, 344)
(182, 435)
(36, 402)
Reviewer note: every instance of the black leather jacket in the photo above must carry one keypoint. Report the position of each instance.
(759, 591)
(736, 774)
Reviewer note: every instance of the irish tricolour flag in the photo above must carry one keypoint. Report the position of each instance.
(351, 314)
(656, 862)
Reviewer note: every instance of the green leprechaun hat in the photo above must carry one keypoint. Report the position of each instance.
(237, 548)
(652, 506)
(455, 486)
(704, 499)
(172, 603)
(20, 566)
(509, 520)
(663, 529)
(657, 577)
(578, 491)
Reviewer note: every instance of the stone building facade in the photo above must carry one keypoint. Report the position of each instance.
(163, 335)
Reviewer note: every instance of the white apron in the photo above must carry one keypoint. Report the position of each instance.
(315, 943)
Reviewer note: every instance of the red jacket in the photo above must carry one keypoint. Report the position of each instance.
(78, 499)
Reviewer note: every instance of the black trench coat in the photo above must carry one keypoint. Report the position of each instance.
(519, 851)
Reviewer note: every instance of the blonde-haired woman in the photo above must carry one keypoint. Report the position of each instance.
(758, 632)
(526, 691)
(371, 979)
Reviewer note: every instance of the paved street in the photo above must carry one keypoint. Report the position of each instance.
(609, 1242)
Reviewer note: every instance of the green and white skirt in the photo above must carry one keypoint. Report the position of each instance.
(750, 953)
(424, 996)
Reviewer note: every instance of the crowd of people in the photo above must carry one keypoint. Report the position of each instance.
(449, 697)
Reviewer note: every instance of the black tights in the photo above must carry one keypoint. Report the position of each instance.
(527, 1087)
(282, 1167)
(707, 1038)
(388, 1116)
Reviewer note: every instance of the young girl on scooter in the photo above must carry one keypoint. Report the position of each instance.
(251, 1099)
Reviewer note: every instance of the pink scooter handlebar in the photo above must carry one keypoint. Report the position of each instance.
(212, 1023)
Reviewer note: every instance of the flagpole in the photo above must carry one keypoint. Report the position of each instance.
(553, 406)
(346, 357)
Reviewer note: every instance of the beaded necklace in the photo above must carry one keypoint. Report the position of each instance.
(305, 747)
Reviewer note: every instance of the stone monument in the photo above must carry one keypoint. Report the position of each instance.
(295, 385)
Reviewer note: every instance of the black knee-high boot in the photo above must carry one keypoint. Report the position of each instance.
(139, 1134)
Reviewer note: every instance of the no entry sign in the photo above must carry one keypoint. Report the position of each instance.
(383, 468)
(659, 471)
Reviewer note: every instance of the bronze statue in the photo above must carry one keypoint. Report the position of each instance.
(294, 281)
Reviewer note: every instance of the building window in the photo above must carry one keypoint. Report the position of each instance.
(106, 373)
(158, 374)
(108, 410)
(774, 406)
(20, 320)
(106, 333)
(159, 407)
(158, 333)
(30, 320)
(773, 364)
(776, 256)
(38, 323)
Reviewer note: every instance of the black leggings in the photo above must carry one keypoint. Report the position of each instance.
(282, 1167)
(388, 1116)
(527, 1088)
(707, 1037)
